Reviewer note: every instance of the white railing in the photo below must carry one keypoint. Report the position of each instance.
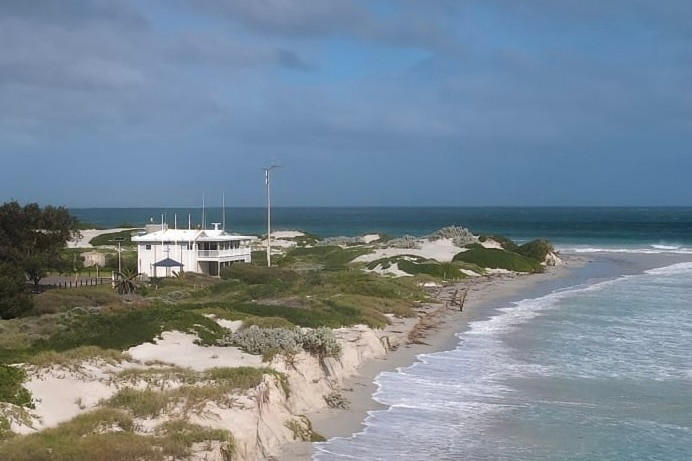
(223, 253)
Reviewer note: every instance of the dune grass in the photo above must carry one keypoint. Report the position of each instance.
(108, 434)
(215, 385)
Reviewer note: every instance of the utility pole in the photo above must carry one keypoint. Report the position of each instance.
(119, 240)
(267, 182)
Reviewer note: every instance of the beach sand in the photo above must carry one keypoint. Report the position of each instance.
(484, 294)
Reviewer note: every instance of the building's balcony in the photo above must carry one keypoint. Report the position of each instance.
(216, 255)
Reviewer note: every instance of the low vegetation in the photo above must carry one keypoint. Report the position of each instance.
(291, 307)
(112, 238)
(11, 387)
(495, 258)
(109, 434)
(254, 340)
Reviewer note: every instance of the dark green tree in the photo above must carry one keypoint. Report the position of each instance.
(14, 299)
(32, 238)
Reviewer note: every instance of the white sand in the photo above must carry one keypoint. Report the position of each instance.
(442, 250)
(369, 238)
(287, 234)
(180, 349)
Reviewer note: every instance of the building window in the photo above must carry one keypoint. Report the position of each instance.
(148, 247)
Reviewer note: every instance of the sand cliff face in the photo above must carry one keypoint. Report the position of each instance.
(261, 419)
(279, 418)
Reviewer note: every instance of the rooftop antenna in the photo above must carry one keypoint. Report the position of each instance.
(267, 182)
(223, 210)
(204, 219)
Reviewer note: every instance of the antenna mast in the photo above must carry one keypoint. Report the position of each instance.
(223, 211)
(267, 182)
(204, 219)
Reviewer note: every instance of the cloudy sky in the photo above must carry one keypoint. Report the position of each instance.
(363, 102)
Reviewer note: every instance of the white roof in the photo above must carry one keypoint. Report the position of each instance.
(191, 235)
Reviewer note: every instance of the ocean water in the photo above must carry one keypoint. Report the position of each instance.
(583, 229)
(599, 370)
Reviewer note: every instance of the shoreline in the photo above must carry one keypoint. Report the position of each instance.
(484, 295)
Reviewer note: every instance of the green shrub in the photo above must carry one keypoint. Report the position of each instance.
(536, 249)
(267, 322)
(11, 389)
(329, 257)
(439, 270)
(460, 236)
(255, 275)
(499, 259)
(255, 340)
(123, 328)
(505, 242)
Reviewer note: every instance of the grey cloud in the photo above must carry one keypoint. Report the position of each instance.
(73, 11)
(408, 27)
(293, 17)
(290, 60)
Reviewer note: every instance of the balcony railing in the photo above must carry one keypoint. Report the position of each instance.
(213, 254)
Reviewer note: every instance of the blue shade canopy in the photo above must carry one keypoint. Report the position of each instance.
(168, 262)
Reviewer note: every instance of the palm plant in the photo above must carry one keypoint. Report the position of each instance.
(126, 282)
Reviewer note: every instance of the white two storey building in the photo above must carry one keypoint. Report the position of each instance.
(161, 250)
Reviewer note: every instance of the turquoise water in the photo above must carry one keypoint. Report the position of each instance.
(597, 371)
(583, 228)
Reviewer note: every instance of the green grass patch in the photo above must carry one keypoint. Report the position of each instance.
(328, 257)
(123, 328)
(72, 357)
(54, 301)
(105, 239)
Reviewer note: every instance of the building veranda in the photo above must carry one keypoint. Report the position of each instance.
(162, 251)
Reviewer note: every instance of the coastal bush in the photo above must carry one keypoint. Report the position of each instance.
(460, 236)
(302, 429)
(341, 241)
(406, 242)
(306, 239)
(505, 242)
(255, 340)
(321, 342)
(499, 259)
(536, 249)
(444, 271)
(11, 388)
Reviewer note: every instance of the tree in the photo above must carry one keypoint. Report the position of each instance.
(31, 238)
(14, 299)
